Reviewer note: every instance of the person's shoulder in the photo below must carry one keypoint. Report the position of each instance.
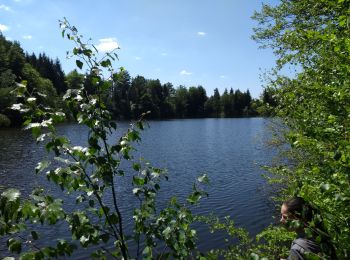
(305, 245)
(299, 245)
(295, 253)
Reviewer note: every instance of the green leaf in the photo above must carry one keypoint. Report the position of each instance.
(138, 181)
(254, 256)
(36, 132)
(79, 64)
(84, 241)
(21, 89)
(182, 236)
(76, 51)
(113, 218)
(147, 251)
(41, 138)
(58, 117)
(194, 197)
(325, 187)
(105, 237)
(35, 235)
(106, 63)
(140, 125)
(87, 52)
(133, 136)
(11, 194)
(136, 166)
(42, 165)
(31, 99)
(166, 232)
(203, 179)
(14, 245)
(136, 191)
(156, 186)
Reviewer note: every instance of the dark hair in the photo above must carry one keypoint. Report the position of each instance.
(298, 208)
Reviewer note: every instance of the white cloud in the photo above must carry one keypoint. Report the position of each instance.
(27, 37)
(184, 72)
(107, 44)
(5, 8)
(3, 28)
(201, 34)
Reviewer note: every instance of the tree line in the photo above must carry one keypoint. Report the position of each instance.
(128, 97)
(15, 68)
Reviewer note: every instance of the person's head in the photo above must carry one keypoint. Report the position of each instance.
(295, 209)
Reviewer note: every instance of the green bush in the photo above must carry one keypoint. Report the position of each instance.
(314, 105)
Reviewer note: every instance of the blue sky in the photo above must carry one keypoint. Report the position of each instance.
(185, 42)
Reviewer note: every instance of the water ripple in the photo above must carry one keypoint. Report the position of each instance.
(228, 150)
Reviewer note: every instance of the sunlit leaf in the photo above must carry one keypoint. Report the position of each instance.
(11, 194)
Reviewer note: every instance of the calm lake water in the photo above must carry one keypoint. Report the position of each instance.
(230, 151)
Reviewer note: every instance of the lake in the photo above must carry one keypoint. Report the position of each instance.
(230, 151)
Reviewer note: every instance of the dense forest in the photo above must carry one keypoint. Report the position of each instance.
(127, 99)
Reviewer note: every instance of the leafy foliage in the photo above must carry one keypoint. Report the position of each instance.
(314, 36)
